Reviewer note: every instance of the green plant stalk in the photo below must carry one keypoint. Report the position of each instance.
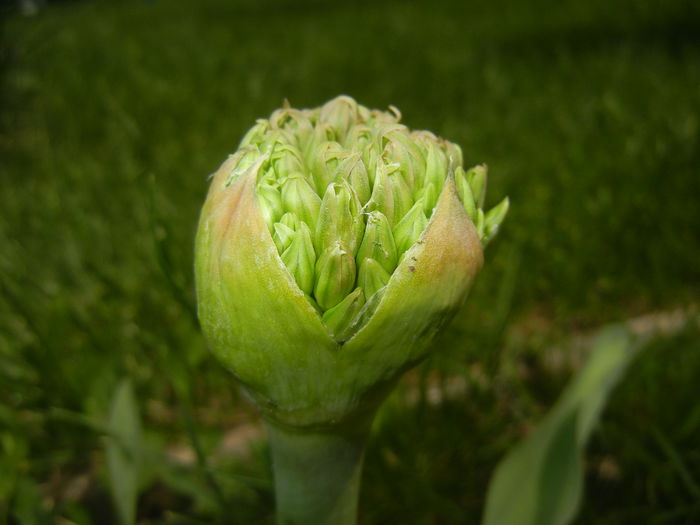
(317, 473)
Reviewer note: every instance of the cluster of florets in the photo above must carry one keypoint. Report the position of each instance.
(346, 191)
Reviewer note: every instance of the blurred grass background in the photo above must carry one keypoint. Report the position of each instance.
(114, 113)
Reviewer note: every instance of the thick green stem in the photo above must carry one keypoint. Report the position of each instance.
(317, 474)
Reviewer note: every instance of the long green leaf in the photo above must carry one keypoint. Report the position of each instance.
(123, 451)
(540, 481)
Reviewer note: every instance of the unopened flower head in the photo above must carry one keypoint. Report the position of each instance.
(378, 228)
(345, 192)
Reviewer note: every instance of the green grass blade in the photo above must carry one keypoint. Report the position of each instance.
(123, 451)
(540, 481)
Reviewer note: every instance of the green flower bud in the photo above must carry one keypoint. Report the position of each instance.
(465, 193)
(429, 196)
(285, 158)
(339, 319)
(340, 114)
(352, 169)
(335, 276)
(378, 243)
(283, 236)
(480, 223)
(436, 165)
(402, 196)
(300, 258)
(295, 121)
(327, 157)
(493, 219)
(270, 203)
(408, 229)
(454, 153)
(255, 134)
(402, 149)
(284, 231)
(372, 276)
(370, 158)
(319, 342)
(339, 219)
(476, 177)
(291, 220)
(299, 197)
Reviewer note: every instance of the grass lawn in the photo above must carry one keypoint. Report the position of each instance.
(112, 116)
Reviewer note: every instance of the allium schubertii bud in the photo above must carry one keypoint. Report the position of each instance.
(333, 244)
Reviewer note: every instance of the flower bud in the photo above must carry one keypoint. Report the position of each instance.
(378, 243)
(493, 219)
(286, 158)
(382, 198)
(283, 236)
(331, 247)
(402, 196)
(324, 168)
(436, 165)
(408, 229)
(300, 258)
(429, 196)
(295, 121)
(465, 193)
(480, 223)
(299, 197)
(335, 276)
(255, 135)
(243, 160)
(340, 113)
(401, 149)
(454, 153)
(372, 277)
(476, 177)
(284, 231)
(352, 169)
(340, 318)
(270, 202)
(339, 219)
(291, 220)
